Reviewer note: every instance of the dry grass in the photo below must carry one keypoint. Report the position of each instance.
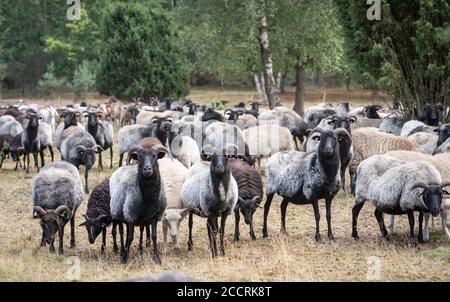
(296, 257)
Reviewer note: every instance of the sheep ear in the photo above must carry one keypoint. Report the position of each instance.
(256, 200)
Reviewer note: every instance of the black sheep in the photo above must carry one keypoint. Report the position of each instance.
(250, 194)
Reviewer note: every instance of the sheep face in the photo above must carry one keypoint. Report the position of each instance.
(86, 156)
(133, 113)
(94, 226)
(210, 114)
(328, 146)
(431, 196)
(70, 118)
(173, 218)
(432, 113)
(443, 133)
(93, 118)
(164, 124)
(233, 115)
(338, 121)
(248, 208)
(33, 119)
(372, 111)
(51, 221)
(147, 158)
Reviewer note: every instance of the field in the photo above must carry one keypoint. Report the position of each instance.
(296, 257)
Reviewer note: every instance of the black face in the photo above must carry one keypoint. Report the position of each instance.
(93, 227)
(233, 115)
(328, 144)
(338, 121)
(33, 120)
(443, 134)
(164, 124)
(147, 160)
(432, 114)
(70, 119)
(255, 106)
(92, 119)
(87, 157)
(219, 163)
(134, 113)
(432, 197)
(210, 114)
(372, 112)
(248, 208)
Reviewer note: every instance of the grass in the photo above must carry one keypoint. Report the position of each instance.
(296, 257)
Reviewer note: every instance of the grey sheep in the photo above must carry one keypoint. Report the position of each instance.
(103, 133)
(398, 188)
(11, 127)
(57, 193)
(79, 148)
(412, 127)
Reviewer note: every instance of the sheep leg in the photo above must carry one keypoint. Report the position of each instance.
(252, 231)
(120, 159)
(114, 235)
(315, 205)
(86, 185)
(147, 238)
(352, 182)
(165, 227)
(343, 180)
(141, 235)
(72, 232)
(284, 205)
(296, 142)
(444, 223)
(209, 226)
(190, 224)
(328, 216)
(100, 161)
(36, 160)
(426, 227)
(42, 240)
(103, 240)
(266, 213)
(391, 223)
(420, 235)
(122, 247)
(52, 246)
(223, 220)
(155, 246)
(52, 155)
(355, 213)
(17, 164)
(237, 218)
(41, 153)
(27, 166)
(411, 228)
(61, 239)
(130, 235)
(379, 216)
(111, 157)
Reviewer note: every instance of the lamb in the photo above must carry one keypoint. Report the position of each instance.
(57, 193)
(211, 190)
(129, 136)
(397, 188)
(173, 173)
(78, 147)
(369, 143)
(265, 140)
(138, 195)
(304, 178)
(103, 133)
(250, 194)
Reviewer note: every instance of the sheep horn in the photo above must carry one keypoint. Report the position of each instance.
(99, 148)
(445, 184)
(132, 151)
(440, 106)
(81, 148)
(159, 148)
(39, 210)
(420, 185)
(59, 210)
(342, 132)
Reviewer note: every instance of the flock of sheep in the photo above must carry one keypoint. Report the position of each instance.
(183, 159)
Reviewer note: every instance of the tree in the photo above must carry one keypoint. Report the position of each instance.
(84, 78)
(406, 53)
(140, 55)
(50, 83)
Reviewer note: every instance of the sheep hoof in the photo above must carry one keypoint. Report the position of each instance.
(115, 250)
(156, 259)
(73, 245)
(253, 237)
(318, 238)
(236, 238)
(331, 237)
(60, 252)
(414, 242)
(265, 235)
(355, 237)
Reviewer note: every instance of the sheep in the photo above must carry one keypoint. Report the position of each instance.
(173, 173)
(239, 118)
(11, 127)
(6, 118)
(219, 134)
(183, 147)
(57, 193)
(211, 189)
(345, 148)
(210, 114)
(265, 140)
(394, 187)
(250, 194)
(98, 215)
(304, 178)
(432, 114)
(344, 108)
(45, 137)
(393, 124)
(442, 163)
(367, 143)
(128, 115)
(31, 141)
(443, 132)
(425, 142)
(5, 142)
(338, 121)
(78, 147)
(364, 122)
(49, 116)
(130, 135)
(16, 150)
(138, 196)
(315, 114)
(70, 119)
(412, 127)
(370, 111)
(103, 133)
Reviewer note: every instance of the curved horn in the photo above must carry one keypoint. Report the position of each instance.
(440, 106)
(445, 184)
(99, 148)
(61, 209)
(160, 148)
(420, 184)
(81, 148)
(39, 210)
(133, 151)
(342, 132)
(236, 149)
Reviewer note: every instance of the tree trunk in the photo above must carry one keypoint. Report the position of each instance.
(283, 83)
(266, 56)
(299, 106)
(258, 86)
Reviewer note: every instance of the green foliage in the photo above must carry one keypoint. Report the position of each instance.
(49, 83)
(140, 55)
(407, 53)
(84, 78)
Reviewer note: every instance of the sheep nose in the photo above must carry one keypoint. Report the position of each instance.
(434, 212)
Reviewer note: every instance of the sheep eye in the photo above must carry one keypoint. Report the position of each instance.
(317, 139)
